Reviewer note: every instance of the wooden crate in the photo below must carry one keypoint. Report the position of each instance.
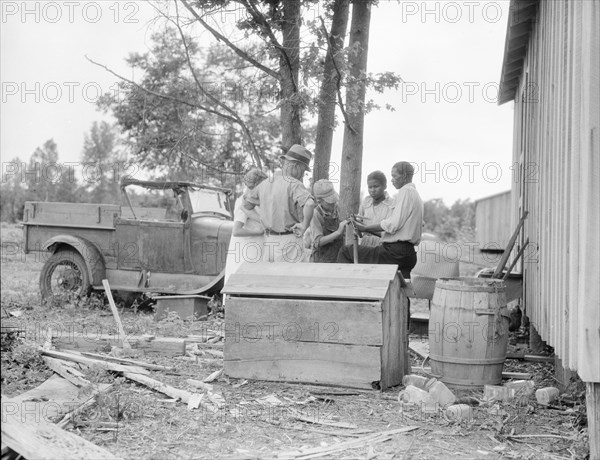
(334, 324)
(186, 306)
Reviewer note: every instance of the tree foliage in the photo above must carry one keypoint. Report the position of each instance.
(456, 223)
(102, 164)
(174, 119)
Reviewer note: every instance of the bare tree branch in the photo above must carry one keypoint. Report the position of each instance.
(163, 96)
(266, 28)
(255, 154)
(236, 50)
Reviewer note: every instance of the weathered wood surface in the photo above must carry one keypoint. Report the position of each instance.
(115, 313)
(74, 376)
(92, 342)
(77, 358)
(492, 221)
(34, 437)
(161, 387)
(344, 365)
(394, 351)
(277, 320)
(339, 281)
(592, 396)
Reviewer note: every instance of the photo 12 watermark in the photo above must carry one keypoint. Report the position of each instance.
(69, 12)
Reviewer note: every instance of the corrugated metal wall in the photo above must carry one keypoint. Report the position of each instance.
(557, 138)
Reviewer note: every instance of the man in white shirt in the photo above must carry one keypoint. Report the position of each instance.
(400, 231)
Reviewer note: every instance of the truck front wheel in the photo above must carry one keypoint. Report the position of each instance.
(65, 273)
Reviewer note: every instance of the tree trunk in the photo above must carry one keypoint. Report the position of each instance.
(329, 87)
(352, 148)
(289, 63)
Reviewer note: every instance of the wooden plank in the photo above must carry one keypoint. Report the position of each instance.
(153, 367)
(354, 281)
(251, 319)
(68, 373)
(592, 398)
(161, 387)
(115, 313)
(344, 271)
(35, 438)
(344, 365)
(306, 286)
(77, 358)
(394, 353)
(509, 247)
(167, 346)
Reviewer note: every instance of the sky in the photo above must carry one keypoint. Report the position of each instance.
(446, 119)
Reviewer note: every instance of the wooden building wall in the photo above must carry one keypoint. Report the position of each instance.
(493, 221)
(556, 142)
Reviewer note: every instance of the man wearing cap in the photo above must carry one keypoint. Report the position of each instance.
(326, 229)
(285, 207)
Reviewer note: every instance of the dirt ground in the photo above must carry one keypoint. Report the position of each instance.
(270, 419)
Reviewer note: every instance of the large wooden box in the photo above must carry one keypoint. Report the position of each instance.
(334, 324)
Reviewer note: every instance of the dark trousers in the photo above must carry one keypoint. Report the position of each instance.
(400, 253)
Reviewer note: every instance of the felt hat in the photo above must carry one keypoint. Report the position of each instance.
(299, 154)
(323, 189)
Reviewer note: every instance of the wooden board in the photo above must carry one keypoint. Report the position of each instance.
(340, 281)
(35, 438)
(280, 320)
(345, 365)
(48, 401)
(394, 351)
(592, 398)
(165, 346)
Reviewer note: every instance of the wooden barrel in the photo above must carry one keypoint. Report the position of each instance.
(468, 331)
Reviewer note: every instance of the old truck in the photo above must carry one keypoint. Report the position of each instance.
(178, 245)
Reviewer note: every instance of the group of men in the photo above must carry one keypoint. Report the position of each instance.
(286, 209)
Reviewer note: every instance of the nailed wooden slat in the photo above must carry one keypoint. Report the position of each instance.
(347, 281)
(311, 362)
(280, 320)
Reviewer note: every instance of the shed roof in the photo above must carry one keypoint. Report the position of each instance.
(495, 195)
(521, 17)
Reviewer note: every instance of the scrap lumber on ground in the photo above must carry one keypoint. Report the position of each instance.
(316, 452)
(78, 358)
(35, 438)
(92, 342)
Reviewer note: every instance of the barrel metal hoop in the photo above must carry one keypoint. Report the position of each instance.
(447, 359)
(466, 383)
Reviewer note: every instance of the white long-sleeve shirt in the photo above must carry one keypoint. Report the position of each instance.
(406, 220)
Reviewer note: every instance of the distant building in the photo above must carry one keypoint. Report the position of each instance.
(493, 222)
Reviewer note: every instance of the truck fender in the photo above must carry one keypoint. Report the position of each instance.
(94, 260)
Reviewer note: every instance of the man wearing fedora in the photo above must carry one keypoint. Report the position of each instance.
(285, 207)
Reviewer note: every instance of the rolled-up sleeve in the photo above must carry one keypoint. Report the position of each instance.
(299, 193)
(316, 230)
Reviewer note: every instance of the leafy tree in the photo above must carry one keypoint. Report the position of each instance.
(43, 172)
(173, 118)
(101, 163)
(12, 192)
(456, 223)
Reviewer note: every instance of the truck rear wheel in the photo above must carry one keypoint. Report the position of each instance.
(65, 273)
